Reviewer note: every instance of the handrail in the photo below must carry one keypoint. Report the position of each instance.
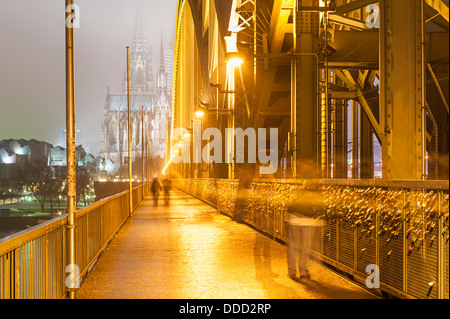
(13, 241)
(400, 226)
(33, 261)
(438, 184)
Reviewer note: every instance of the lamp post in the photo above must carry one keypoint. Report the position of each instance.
(129, 135)
(203, 110)
(188, 140)
(71, 156)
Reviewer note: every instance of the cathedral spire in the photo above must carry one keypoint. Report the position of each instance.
(142, 80)
(161, 78)
(162, 68)
(140, 37)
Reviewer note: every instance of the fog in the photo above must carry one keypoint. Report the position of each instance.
(32, 61)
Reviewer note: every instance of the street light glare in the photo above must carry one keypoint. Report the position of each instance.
(235, 62)
(199, 113)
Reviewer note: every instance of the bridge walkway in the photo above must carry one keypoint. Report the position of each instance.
(188, 250)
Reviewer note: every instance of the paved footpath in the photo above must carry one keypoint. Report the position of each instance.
(190, 251)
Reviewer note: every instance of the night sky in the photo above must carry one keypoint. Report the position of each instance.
(32, 62)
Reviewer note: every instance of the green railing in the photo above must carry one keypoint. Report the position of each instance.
(33, 261)
(400, 226)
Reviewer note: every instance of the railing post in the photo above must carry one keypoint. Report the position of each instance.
(377, 229)
(405, 258)
(440, 248)
(130, 173)
(16, 286)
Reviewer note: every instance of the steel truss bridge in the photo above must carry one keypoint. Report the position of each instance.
(338, 79)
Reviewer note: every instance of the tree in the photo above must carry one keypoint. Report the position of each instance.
(4, 183)
(85, 174)
(38, 178)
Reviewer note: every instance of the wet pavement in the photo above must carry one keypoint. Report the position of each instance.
(190, 251)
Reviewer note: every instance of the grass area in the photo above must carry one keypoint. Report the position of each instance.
(32, 207)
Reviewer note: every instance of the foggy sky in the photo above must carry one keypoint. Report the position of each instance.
(32, 61)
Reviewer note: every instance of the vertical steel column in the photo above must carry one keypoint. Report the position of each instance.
(324, 136)
(71, 152)
(130, 174)
(355, 140)
(401, 88)
(440, 240)
(366, 144)
(306, 30)
(327, 131)
(423, 97)
(292, 144)
(340, 140)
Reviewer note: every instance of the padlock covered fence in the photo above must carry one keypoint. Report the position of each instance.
(400, 226)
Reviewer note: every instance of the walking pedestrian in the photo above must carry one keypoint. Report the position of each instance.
(156, 187)
(300, 228)
(166, 184)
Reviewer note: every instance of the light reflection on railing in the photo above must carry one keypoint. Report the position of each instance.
(401, 226)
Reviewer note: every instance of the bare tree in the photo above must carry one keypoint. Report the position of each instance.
(38, 178)
(85, 175)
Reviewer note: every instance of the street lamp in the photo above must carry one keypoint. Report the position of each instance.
(199, 113)
(233, 59)
(235, 62)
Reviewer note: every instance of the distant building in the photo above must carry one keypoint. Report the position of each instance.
(150, 99)
(14, 151)
(18, 152)
(168, 66)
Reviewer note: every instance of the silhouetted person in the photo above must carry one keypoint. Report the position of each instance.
(166, 188)
(156, 187)
(300, 229)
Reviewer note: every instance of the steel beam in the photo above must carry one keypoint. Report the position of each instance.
(348, 95)
(355, 46)
(304, 92)
(366, 146)
(440, 7)
(354, 5)
(348, 22)
(279, 24)
(340, 139)
(438, 86)
(347, 78)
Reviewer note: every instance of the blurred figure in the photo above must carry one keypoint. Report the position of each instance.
(166, 185)
(300, 229)
(156, 187)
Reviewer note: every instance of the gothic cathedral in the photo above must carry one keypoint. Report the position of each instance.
(150, 100)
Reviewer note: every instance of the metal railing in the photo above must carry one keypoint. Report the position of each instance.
(402, 227)
(33, 262)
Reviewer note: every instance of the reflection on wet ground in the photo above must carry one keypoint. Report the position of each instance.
(188, 250)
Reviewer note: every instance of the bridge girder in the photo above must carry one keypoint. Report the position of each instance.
(355, 60)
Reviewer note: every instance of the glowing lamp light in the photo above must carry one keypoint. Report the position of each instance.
(199, 113)
(235, 62)
(165, 168)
